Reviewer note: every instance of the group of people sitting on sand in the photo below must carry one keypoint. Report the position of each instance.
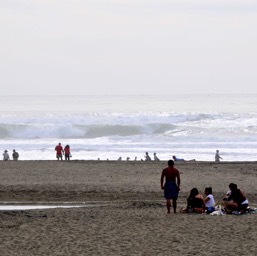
(234, 202)
(6, 157)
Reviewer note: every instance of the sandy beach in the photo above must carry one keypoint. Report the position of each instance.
(123, 209)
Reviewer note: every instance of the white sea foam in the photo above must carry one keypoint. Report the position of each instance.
(109, 127)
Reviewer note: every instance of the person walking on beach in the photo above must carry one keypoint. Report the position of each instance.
(6, 156)
(15, 155)
(217, 156)
(172, 185)
(67, 153)
(59, 151)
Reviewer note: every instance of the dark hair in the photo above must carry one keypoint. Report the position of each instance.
(193, 192)
(208, 190)
(170, 163)
(232, 186)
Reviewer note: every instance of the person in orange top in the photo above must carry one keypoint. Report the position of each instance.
(172, 185)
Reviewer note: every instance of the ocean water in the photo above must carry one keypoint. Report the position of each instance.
(109, 127)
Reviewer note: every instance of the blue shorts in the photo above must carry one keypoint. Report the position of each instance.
(210, 209)
(171, 190)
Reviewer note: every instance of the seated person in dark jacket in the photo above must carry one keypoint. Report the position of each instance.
(236, 201)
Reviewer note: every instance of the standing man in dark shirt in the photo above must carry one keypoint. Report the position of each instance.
(172, 185)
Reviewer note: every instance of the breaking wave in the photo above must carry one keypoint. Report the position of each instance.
(175, 125)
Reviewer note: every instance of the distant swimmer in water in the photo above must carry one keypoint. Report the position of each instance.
(6, 156)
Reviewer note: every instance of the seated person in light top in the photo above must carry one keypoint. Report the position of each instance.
(195, 202)
(181, 159)
(155, 158)
(236, 201)
(178, 159)
(6, 156)
(209, 200)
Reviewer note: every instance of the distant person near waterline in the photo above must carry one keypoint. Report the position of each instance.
(155, 158)
(6, 156)
(15, 155)
(67, 153)
(176, 159)
(172, 185)
(147, 157)
(217, 156)
(59, 151)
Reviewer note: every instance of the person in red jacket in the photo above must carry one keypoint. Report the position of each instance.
(59, 151)
(172, 185)
(67, 152)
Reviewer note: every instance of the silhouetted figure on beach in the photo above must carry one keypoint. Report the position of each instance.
(6, 156)
(147, 157)
(155, 158)
(15, 155)
(217, 156)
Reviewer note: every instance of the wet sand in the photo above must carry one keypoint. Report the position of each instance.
(128, 216)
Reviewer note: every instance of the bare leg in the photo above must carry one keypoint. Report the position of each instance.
(168, 204)
(230, 206)
(175, 206)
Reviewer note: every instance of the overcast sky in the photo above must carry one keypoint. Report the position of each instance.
(128, 46)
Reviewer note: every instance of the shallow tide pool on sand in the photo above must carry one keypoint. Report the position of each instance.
(23, 207)
(34, 207)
